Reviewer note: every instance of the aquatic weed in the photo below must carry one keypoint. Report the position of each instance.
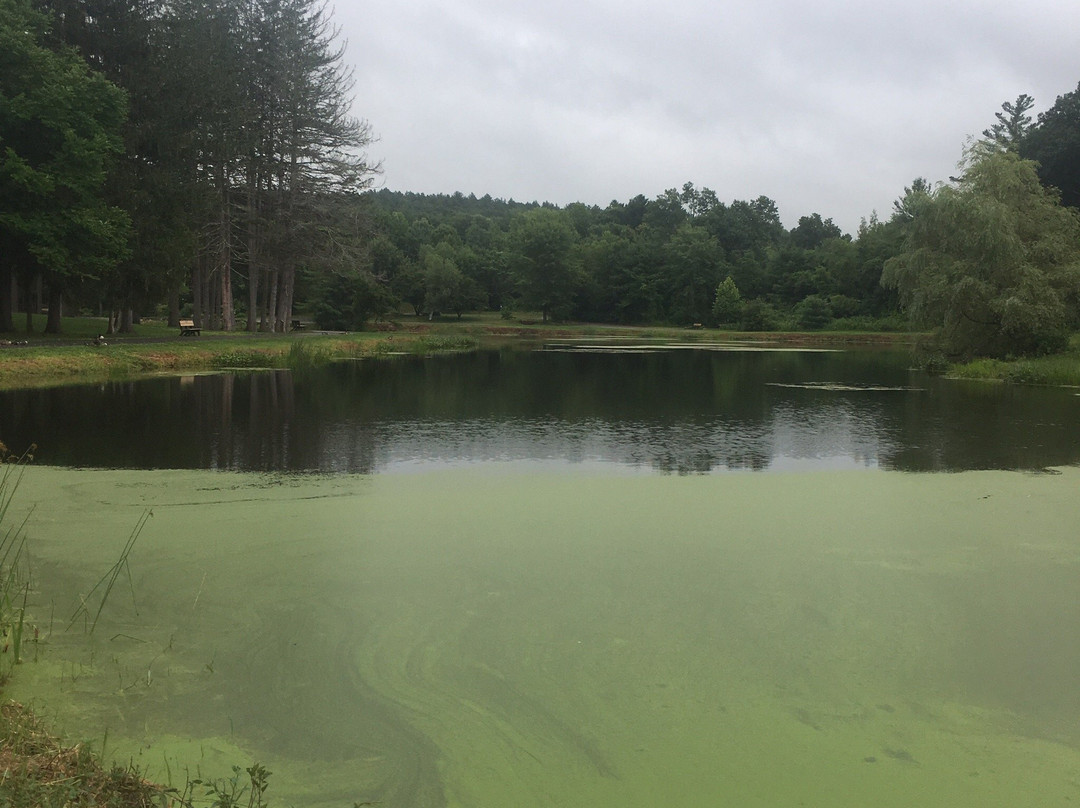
(245, 359)
(301, 358)
(229, 792)
(108, 580)
(14, 579)
(440, 344)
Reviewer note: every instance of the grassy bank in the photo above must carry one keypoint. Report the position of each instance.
(45, 364)
(155, 348)
(1059, 369)
(38, 770)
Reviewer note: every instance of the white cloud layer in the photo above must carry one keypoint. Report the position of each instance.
(828, 107)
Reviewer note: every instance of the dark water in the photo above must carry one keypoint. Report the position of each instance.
(672, 411)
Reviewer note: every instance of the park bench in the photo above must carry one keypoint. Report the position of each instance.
(188, 329)
(296, 326)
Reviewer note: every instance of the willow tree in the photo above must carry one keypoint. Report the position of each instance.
(992, 262)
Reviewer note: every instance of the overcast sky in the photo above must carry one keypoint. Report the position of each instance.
(831, 106)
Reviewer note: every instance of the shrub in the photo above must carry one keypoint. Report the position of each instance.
(757, 315)
(813, 313)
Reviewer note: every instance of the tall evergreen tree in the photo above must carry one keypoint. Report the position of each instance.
(1054, 143)
(1013, 123)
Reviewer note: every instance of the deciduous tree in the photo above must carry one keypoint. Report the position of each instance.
(543, 239)
(993, 263)
(59, 127)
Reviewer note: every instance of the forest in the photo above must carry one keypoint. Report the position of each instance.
(198, 158)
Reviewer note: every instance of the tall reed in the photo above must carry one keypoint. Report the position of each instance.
(14, 579)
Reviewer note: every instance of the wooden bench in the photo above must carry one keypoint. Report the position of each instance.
(188, 329)
(296, 326)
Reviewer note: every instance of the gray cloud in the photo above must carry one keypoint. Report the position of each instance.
(830, 107)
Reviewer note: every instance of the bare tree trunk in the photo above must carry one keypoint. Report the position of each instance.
(56, 309)
(253, 244)
(288, 278)
(264, 297)
(270, 323)
(174, 307)
(197, 283)
(253, 298)
(213, 299)
(209, 290)
(126, 318)
(8, 291)
(27, 298)
(228, 316)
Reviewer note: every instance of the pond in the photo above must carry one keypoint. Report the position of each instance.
(608, 407)
(545, 579)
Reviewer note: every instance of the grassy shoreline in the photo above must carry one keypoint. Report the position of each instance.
(1059, 370)
(155, 349)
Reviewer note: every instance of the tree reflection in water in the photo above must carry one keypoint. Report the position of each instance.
(677, 411)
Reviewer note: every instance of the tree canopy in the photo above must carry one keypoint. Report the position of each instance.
(992, 261)
(1054, 143)
(59, 127)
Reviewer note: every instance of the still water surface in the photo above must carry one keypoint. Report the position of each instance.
(541, 619)
(668, 410)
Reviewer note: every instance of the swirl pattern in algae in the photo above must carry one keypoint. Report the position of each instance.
(480, 638)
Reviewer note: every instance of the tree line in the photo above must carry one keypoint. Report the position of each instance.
(989, 261)
(683, 258)
(198, 157)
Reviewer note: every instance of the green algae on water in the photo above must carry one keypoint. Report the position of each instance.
(483, 638)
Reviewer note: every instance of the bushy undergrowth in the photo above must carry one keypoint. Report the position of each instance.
(891, 324)
(1061, 369)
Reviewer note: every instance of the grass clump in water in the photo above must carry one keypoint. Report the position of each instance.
(302, 357)
(429, 344)
(1059, 369)
(246, 359)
